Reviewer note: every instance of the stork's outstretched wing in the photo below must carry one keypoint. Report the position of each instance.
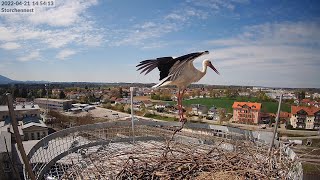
(168, 66)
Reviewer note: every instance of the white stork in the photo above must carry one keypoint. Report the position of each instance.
(177, 71)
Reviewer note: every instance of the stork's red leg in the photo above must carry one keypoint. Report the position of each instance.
(183, 91)
(178, 102)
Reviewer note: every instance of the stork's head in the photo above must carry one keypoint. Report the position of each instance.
(208, 63)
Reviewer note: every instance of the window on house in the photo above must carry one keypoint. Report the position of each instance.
(32, 136)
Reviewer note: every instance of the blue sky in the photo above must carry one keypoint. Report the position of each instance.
(251, 42)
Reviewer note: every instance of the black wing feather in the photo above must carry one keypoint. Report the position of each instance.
(164, 64)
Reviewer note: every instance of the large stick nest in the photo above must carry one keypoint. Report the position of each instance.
(172, 160)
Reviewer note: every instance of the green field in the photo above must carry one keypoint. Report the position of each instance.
(227, 103)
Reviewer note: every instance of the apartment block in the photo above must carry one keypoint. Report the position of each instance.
(305, 117)
(246, 112)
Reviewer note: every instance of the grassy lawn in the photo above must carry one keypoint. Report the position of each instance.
(227, 103)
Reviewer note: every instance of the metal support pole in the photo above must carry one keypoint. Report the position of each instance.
(18, 137)
(276, 126)
(132, 116)
(47, 89)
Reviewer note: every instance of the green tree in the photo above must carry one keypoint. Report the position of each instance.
(155, 96)
(43, 92)
(120, 92)
(301, 95)
(128, 110)
(24, 93)
(62, 95)
(165, 97)
(108, 105)
(115, 93)
(120, 107)
(16, 92)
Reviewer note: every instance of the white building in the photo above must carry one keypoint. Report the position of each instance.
(30, 125)
(54, 104)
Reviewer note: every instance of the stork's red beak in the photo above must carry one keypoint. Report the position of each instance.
(213, 68)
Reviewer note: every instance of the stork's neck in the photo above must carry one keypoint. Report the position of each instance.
(204, 68)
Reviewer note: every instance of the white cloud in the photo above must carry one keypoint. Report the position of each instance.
(148, 25)
(148, 34)
(10, 46)
(139, 35)
(34, 55)
(52, 28)
(6, 34)
(65, 54)
(280, 33)
(217, 5)
(287, 52)
(174, 16)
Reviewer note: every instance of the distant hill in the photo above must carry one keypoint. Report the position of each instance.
(5, 80)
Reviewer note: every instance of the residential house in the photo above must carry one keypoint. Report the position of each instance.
(147, 103)
(265, 118)
(160, 106)
(305, 117)
(213, 113)
(34, 128)
(122, 101)
(306, 101)
(20, 100)
(56, 92)
(246, 112)
(113, 99)
(309, 102)
(199, 110)
(284, 117)
(244, 93)
(174, 98)
(316, 95)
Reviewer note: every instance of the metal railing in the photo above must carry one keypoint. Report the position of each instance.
(50, 155)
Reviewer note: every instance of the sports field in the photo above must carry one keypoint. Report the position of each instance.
(227, 103)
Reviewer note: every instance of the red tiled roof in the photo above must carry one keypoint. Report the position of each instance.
(284, 114)
(161, 103)
(310, 110)
(305, 100)
(237, 105)
(147, 102)
(113, 99)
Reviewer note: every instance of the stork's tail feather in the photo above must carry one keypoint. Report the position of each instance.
(164, 82)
